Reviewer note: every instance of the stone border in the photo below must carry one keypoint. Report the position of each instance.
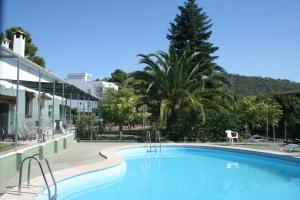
(112, 159)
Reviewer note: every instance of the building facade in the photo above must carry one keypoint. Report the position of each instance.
(29, 94)
(96, 88)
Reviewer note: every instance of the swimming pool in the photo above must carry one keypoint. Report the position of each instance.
(188, 173)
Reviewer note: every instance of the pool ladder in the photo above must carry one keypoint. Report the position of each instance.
(152, 147)
(33, 157)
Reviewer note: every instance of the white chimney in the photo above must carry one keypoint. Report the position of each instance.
(5, 42)
(19, 43)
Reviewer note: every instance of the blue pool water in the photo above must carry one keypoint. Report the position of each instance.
(188, 173)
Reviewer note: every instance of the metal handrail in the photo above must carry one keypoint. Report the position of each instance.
(149, 142)
(49, 168)
(148, 138)
(41, 168)
(158, 139)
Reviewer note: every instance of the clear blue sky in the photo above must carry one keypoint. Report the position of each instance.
(255, 37)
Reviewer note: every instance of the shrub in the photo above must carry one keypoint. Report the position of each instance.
(87, 129)
(189, 125)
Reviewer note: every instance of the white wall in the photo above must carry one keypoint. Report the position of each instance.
(8, 70)
(108, 85)
(87, 107)
(86, 86)
(93, 86)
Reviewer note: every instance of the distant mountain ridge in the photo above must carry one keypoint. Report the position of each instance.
(251, 85)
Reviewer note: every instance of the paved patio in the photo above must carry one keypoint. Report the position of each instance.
(78, 154)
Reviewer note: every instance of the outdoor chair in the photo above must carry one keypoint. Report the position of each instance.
(47, 132)
(31, 130)
(70, 128)
(62, 129)
(294, 141)
(231, 136)
(256, 139)
(290, 147)
(4, 135)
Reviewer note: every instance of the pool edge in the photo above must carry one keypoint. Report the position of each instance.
(112, 158)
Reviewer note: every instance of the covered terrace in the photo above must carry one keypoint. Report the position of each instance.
(21, 72)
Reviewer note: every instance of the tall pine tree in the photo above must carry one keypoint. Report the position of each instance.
(191, 32)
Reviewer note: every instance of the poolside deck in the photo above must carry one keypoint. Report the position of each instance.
(68, 158)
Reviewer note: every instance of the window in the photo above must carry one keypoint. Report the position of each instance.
(50, 109)
(28, 104)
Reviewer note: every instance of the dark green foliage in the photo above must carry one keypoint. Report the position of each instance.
(291, 115)
(87, 127)
(218, 122)
(38, 60)
(190, 31)
(30, 48)
(181, 81)
(251, 110)
(189, 126)
(184, 126)
(258, 112)
(242, 86)
(118, 77)
(120, 107)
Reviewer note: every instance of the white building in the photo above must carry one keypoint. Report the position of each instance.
(30, 93)
(96, 88)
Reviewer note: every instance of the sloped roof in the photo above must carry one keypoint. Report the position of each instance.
(69, 89)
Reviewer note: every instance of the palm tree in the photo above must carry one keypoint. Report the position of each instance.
(176, 81)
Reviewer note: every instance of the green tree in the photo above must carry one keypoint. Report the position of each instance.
(190, 31)
(30, 48)
(189, 126)
(86, 127)
(119, 77)
(178, 81)
(242, 86)
(120, 107)
(291, 113)
(38, 60)
(258, 111)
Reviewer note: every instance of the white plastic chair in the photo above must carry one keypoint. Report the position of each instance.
(230, 136)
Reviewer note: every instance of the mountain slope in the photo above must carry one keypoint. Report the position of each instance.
(247, 85)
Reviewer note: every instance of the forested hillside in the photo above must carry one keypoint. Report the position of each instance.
(246, 85)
